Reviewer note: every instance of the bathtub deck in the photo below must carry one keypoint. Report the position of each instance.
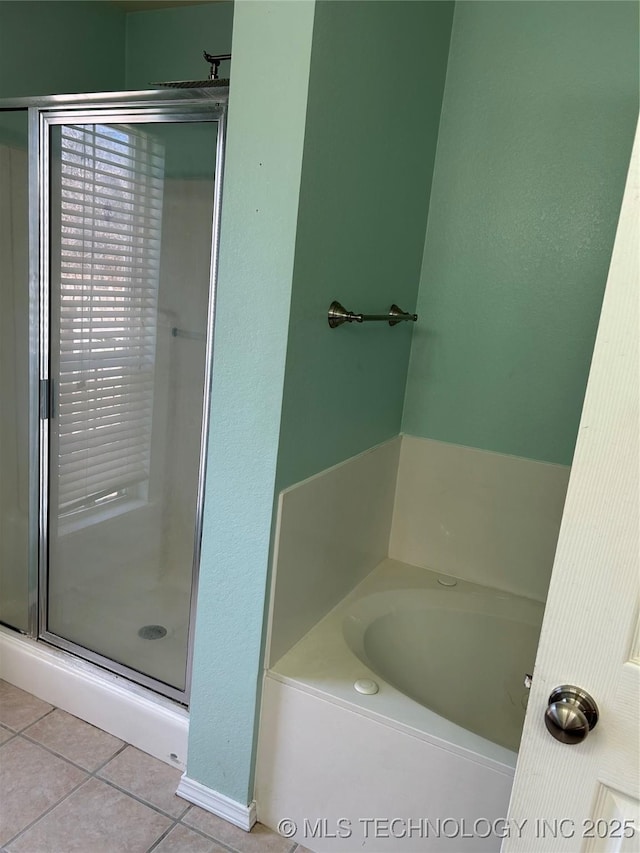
(323, 665)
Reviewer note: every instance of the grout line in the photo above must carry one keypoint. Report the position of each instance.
(110, 759)
(8, 728)
(162, 837)
(224, 844)
(47, 811)
(29, 724)
(136, 797)
(52, 751)
(12, 736)
(204, 835)
(174, 820)
(93, 774)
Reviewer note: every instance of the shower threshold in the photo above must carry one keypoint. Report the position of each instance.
(153, 723)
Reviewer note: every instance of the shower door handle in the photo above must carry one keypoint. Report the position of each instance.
(571, 714)
(47, 399)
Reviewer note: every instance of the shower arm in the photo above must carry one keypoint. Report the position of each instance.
(214, 61)
(339, 315)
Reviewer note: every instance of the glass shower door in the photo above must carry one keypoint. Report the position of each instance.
(130, 210)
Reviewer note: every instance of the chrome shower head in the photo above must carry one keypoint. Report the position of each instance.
(193, 84)
(213, 80)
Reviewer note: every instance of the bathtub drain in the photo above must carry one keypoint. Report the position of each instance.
(366, 685)
(152, 632)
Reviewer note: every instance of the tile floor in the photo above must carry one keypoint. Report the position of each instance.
(68, 787)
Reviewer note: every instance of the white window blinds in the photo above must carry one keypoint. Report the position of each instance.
(111, 188)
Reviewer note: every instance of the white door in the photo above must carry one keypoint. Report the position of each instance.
(577, 797)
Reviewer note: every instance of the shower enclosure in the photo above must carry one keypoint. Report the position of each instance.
(107, 273)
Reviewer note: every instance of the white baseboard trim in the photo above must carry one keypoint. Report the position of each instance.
(224, 807)
(130, 712)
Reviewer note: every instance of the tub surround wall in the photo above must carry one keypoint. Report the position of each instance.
(485, 517)
(332, 530)
(538, 116)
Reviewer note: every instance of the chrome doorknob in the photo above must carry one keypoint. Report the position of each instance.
(571, 714)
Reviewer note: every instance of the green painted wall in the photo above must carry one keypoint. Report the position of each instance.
(260, 211)
(167, 44)
(60, 47)
(540, 106)
(55, 46)
(370, 142)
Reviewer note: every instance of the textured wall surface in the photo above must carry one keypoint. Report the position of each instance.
(539, 111)
(375, 94)
(262, 182)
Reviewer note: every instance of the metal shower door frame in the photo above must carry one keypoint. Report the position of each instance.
(181, 106)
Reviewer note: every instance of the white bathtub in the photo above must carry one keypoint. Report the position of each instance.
(460, 652)
(437, 740)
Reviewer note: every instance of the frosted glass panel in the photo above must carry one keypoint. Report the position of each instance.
(131, 231)
(14, 376)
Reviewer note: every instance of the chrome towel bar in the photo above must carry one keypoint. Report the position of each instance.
(339, 315)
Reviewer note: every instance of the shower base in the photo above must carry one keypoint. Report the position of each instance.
(108, 612)
(136, 715)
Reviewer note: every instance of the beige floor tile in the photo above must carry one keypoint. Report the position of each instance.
(31, 781)
(74, 739)
(259, 840)
(183, 840)
(94, 819)
(5, 734)
(19, 709)
(147, 778)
